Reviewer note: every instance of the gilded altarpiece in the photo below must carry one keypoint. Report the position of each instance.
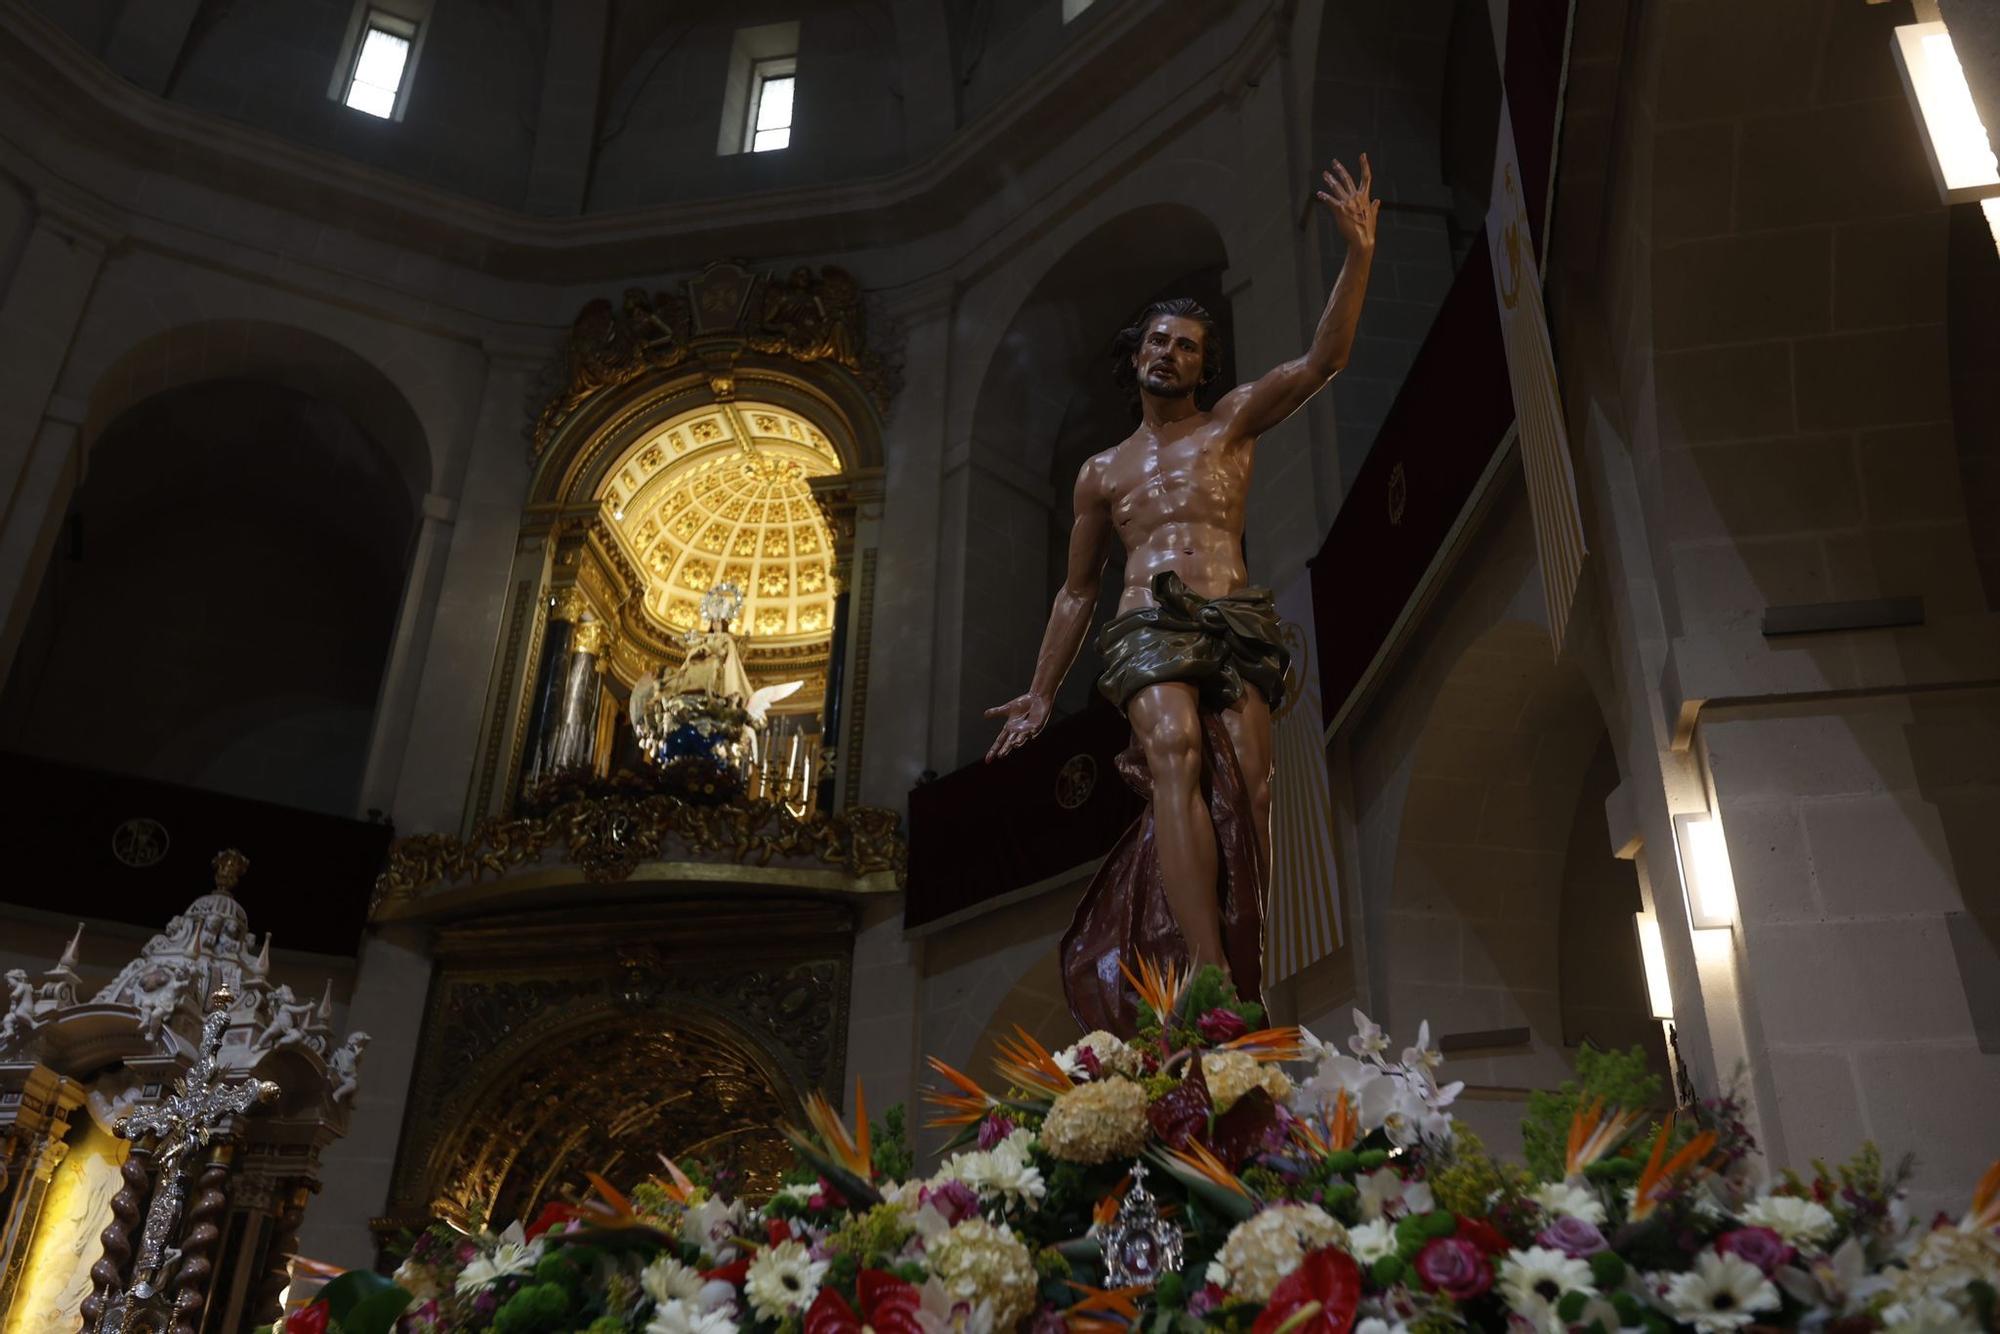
(560, 1041)
(744, 407)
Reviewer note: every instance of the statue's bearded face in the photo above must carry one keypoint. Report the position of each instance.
(1169, 356)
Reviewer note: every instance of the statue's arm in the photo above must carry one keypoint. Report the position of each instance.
(1069, 618)
(1250, 410)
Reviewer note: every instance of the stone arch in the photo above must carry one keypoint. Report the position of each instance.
(249, 485)
(1053, 337)
(272, 353)
(604, 1088)
(1490, 897)
(1044, 402)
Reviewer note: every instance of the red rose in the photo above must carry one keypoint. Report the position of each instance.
(1220, 1025)
(1759, 1245)
(1483, 1235)
(1454, 1267)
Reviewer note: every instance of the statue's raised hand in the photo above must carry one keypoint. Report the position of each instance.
(1349, 202)
(1026, 716)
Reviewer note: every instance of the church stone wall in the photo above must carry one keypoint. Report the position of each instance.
(1769, 423)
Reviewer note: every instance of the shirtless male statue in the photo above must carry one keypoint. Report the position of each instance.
(1191, 636)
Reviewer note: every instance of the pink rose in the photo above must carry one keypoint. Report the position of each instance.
(1758, 1245)
(994, 1129)
(1454, 1267)
(1574, 1237)
(1220, 1025)
(954, 1199)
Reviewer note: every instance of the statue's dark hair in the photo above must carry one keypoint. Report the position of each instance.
(1127, 342)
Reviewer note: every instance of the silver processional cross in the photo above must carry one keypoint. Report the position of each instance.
(182, 1123)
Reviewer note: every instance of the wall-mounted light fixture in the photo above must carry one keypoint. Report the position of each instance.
(1955, 141)
(1653, 951)
(1706, 879)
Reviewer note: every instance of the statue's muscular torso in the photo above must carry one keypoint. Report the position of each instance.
(1176, 495)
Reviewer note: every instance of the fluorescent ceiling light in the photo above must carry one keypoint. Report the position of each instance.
(1654, 952)
(1955, 142)
(1709, 884)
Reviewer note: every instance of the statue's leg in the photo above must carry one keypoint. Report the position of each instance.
(1249, 724)
(1167, 722)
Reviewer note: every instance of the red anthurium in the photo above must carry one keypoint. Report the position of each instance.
(310, 1320)
(733, 1272)
(888, 1306)
(830, 1314)
(554, 1212)
(1319, 1297)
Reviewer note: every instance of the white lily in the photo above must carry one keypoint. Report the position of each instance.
(1423, 1058)
(1369, 1041)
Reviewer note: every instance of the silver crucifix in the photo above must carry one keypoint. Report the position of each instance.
(181, 1125)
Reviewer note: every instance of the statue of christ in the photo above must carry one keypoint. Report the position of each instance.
(1193, 656)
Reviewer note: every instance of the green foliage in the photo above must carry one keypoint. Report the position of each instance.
(363, 1302)
(1388, 1271)
(538, 1308)
(1607, 1270)
(1211, 990)
(1470, 1181)
(872, 1237)
(605, 1324)
(891, 1156)
(1570, 1306)
(1620, 1078)
(650, 1199)
(1439, 1223)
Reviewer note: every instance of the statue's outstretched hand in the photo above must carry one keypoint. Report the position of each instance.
(1349, 203)
(1026, 715)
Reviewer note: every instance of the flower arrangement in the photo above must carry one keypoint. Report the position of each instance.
(1340, 1196)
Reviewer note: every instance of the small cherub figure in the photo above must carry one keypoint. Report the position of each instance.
(288, 1021)
(19, 1020)
(345, 1063)
(156, 994)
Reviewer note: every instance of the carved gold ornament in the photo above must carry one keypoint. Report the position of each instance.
(803, 316)
(607, 838)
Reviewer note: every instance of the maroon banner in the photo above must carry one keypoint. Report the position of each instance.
(127, 849)
(1054, 804)
(1452, 412)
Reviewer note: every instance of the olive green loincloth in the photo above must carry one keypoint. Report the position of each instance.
(1218, 645)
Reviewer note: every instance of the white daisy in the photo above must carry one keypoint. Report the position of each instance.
(1721, 1292)
(667, 1280)
(1801, 1222)
(783, 1279)
(1534, 1280)
(1562, 1199)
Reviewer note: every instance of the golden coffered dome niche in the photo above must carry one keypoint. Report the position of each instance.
(727, 428)
(723, 493)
